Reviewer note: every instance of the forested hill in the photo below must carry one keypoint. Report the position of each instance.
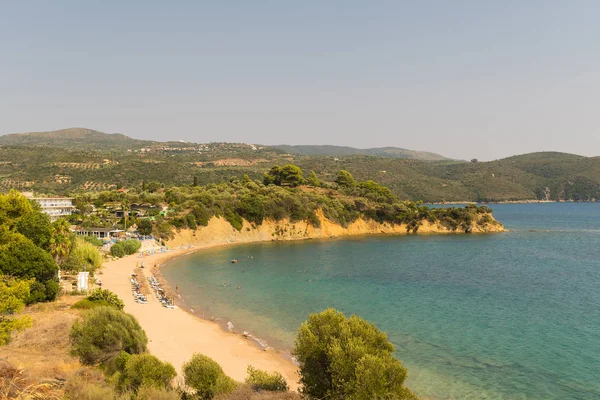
(394, 152)
(82, 160)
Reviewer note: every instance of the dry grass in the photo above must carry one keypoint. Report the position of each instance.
(15, 384)
(245, 392)
(40, 354)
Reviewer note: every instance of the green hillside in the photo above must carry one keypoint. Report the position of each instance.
(75, 138)
(83, 160)
(336, 151)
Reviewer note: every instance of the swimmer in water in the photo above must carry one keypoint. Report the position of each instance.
(239, 287)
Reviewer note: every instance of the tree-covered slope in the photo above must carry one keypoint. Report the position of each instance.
(67, 162)
(393, 152)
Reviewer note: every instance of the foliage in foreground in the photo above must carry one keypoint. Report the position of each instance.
(91, 385)
(131, 372)
(31, 246)
(347, 358)
(13, 294)
(207, 377)
(246, 392)
(103, 333)
(263, 380)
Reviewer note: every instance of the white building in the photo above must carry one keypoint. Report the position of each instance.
(55, 207)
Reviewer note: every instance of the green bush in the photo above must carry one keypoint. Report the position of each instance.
(347, 358)
(263, 380)
(142, 370)
(103, 333)
(191, 221)
(86, 304)
(117, 250)
(131, 246)
(13, 294)
(207, 377)
(83, 257)
(125, 248)
(234, 219)
(93, 240)
(107, 296)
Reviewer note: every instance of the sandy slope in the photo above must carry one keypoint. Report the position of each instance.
(174, 335)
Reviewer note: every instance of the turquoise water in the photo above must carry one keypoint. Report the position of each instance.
(503, 316)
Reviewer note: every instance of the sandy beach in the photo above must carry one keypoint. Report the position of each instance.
(174, 334)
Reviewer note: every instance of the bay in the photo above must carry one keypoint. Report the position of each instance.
(501, 316)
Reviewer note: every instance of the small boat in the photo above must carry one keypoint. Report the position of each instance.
(234, 261)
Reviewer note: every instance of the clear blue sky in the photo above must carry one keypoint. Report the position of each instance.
(484, 79)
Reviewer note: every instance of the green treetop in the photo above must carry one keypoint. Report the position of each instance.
(347, 358)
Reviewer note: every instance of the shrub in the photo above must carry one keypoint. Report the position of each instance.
(83, 257)
(245, 392)
(13, 294)
(152, 393)
(142, 370)
(117, 250)
(79, 388)
(93, 240)
(207, 377)
(103, 333)
(131, 246)
(191, 221)
(263, 380)
(86, 304)
(347, 358)
(234, 219)
(125, 248)
(107, 296)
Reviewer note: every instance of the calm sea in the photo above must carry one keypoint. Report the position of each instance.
(502, 316)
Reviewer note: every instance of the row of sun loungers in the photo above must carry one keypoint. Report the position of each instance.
(135, 289)
(160, 293)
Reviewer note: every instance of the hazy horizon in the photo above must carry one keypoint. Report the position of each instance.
(464, 79)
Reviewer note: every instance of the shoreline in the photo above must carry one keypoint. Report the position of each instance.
(174, 335)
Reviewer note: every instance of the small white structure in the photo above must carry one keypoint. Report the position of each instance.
(83, 279)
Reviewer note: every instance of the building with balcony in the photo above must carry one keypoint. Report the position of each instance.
(54, 207)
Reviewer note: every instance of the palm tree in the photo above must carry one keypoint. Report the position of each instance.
(125, 206)
(60, 241)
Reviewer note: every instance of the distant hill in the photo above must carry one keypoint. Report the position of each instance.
(75, 138)
(83, 160)
(92, 140)
(393, 152)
